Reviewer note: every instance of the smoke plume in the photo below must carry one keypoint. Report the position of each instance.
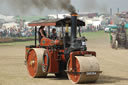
(24, 6)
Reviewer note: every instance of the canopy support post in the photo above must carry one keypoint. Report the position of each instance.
(35, 36)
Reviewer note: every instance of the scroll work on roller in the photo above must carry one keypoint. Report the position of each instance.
(65, 56)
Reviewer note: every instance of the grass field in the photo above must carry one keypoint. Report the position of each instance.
(93, 35)
(18, 43)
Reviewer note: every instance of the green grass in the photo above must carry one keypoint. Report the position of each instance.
(127, 30)
(94, 35)
(24, 37)
(19, 43)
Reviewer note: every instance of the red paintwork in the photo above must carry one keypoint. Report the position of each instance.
(42, 24)
(74, 77)
(53, 54)
(62, 56)
(49, 42)
(32, 67)
(53, 66)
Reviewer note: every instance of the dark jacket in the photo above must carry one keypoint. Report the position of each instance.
(40, 37)
(54, 36)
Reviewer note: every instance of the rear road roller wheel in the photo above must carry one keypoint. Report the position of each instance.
(86, 69)
(34, 63)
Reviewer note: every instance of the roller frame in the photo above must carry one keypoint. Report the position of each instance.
(82, 72)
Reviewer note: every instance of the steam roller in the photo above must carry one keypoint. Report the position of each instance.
(66, 55)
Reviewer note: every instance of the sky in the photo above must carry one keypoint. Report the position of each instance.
(105, 4)
(80, 5)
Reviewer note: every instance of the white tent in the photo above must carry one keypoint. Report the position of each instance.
(60, 16)
(7, 18)
(1, 30)
(10, 25)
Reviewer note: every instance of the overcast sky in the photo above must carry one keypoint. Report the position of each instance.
(80, 5)
(122, 4)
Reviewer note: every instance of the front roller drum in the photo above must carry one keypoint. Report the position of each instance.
(86, 69)
(34, 62)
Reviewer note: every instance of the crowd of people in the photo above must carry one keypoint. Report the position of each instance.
(15, 32)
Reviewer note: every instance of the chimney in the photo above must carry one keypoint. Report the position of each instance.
(73, 26)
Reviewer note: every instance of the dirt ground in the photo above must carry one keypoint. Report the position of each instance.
(114, 64)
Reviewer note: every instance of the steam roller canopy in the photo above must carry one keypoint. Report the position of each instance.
(34, 62)
(86, 69)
